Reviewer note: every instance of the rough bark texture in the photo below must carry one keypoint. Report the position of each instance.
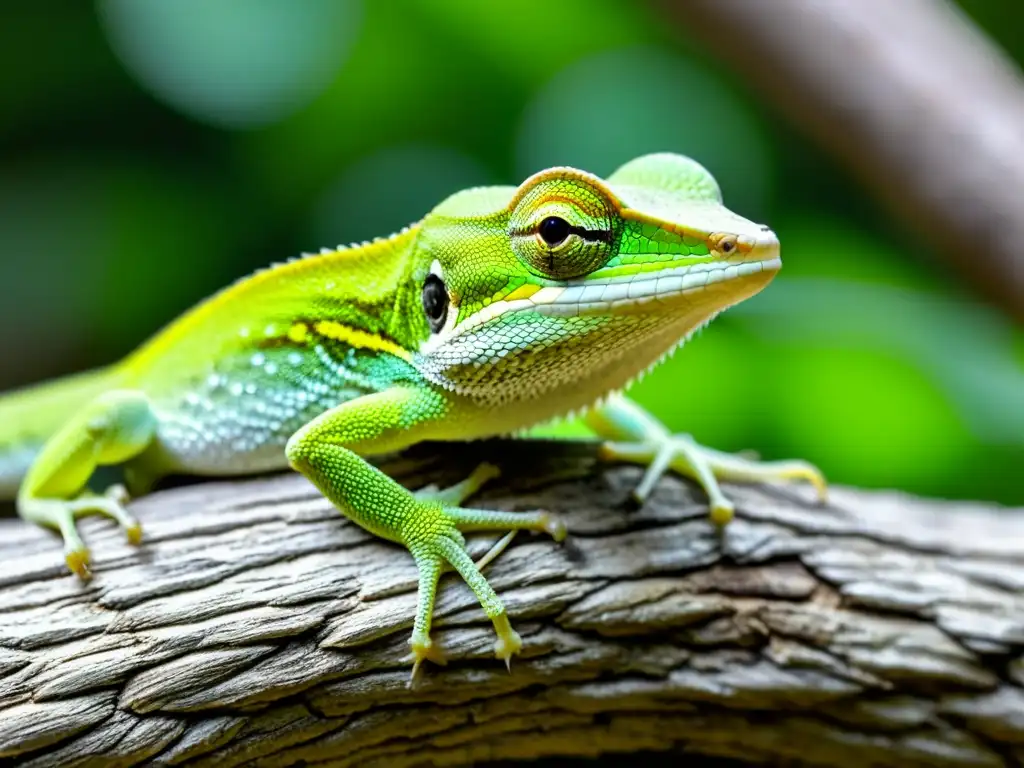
(919, 105)
(255, 626)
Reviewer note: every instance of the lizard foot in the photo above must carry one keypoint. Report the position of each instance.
(423, 649)
(63, 514)
(508, 643)
(434, 537)
(682, 454)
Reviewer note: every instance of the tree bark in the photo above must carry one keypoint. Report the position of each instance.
(255, 626)
(917, 103)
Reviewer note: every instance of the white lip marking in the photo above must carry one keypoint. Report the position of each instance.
(578, 296)
(615, 292)
(641, 289)
(570, 295)
(547, 295)
(695, 280)
(719, 275)
(670, 284)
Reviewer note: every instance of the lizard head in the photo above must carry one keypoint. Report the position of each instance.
(569, 286)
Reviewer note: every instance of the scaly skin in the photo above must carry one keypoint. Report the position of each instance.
(503, 308)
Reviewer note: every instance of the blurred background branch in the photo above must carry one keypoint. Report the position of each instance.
(914, 100)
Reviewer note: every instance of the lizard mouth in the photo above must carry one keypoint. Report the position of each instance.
(623, 294)
(628, 294)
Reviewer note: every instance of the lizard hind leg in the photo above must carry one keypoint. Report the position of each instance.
(113, 428)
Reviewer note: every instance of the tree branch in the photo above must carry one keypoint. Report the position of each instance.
(917, 103)
(256, 626)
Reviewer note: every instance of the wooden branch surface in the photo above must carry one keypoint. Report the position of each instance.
(915, 100)
(255, 626)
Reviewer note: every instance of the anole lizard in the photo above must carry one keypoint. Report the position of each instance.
(502, 309)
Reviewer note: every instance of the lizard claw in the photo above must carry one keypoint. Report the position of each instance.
(78, 562)
(423, 649)
(508, 643)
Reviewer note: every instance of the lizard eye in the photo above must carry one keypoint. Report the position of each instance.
(553, 230)
(563, 224)
(435, 302)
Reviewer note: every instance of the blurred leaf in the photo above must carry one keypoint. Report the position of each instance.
(866, 414)
(96, 257)
(385, 191)
(36, 90)
(528, 40)
(709, 388)
(1002, 19)
(964, 348)
(607, 109)
(232, 63)
(820, 245)
(404, 82)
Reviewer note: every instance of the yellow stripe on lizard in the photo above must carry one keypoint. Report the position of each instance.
(524, 291)
(359, 339)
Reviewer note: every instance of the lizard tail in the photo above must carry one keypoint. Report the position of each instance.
(29, 416)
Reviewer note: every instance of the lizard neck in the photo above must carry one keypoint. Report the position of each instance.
(357, 296)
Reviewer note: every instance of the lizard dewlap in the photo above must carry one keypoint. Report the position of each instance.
(503, 308)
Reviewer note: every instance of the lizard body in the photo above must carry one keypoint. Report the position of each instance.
(502, 308)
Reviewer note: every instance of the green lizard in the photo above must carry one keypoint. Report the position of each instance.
(502, 309)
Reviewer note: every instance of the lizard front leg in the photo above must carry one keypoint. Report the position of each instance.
(633, 435)
(430, 526)
(115, 427)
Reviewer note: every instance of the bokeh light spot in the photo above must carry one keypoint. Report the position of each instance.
(116, 268)
(607, 109)
(232, 63)
(385, 191)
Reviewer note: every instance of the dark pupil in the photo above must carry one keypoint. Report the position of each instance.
(435, 302)
(554, 230)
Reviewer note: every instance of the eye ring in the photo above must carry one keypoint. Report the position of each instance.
(563, 224)
(435, 302)
(554, 230)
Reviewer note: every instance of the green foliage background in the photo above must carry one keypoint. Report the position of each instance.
(151, 152)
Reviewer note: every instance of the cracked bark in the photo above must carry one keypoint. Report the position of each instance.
(255, 626)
